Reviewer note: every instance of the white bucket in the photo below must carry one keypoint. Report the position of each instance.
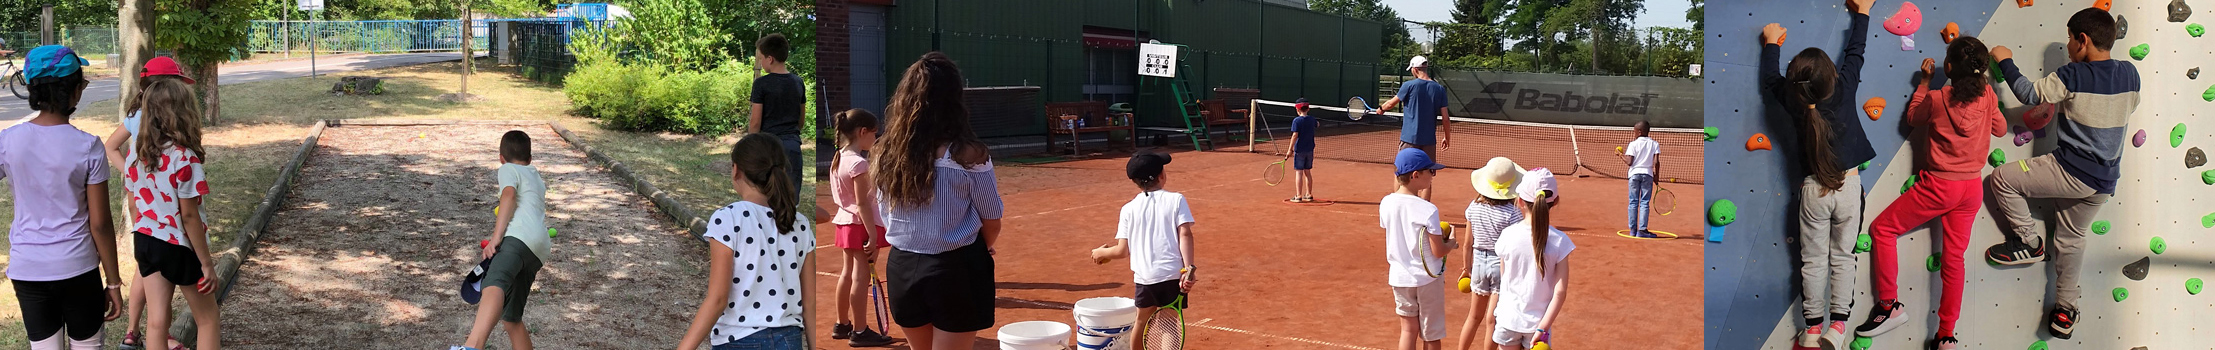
(1105, 323)
(1034, 335)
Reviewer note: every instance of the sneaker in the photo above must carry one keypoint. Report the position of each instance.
(1945, 343)
(1811, 337)
(842, 331)
(1882, 318)
(869, 338)
(2015, 253)
(2062, 321)
(1834, 337)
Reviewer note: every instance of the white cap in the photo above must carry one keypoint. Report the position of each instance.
(1418, 62)
(1538, 180)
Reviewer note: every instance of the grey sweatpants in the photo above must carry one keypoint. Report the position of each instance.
(1828, 226)
(2075, 205)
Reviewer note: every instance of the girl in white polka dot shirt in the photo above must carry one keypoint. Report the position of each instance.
(757, 258)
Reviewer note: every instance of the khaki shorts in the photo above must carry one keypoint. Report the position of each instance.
(1427, 304)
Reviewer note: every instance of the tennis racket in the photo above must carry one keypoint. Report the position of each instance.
(1166, 330)
(1357, 108)
(1424, 245)
(1664, 200)
(879, 301)
(1274, 174)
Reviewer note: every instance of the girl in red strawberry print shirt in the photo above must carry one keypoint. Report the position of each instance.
(166, 179)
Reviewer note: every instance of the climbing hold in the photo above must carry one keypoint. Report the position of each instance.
(2208, 221)
(2192, 286)
(2195, 29)
(2101, 227)
(2139, 140)
(2103, 5)
(1906, 21)
(1949, 33)
(2038, 116)
(2038, 345)
(1863, 343)
(1714, 233)
(1710, 132)
(2137, 270)
(2159, 245)
(2022, 3)
(2139, 52)
(1757, 142)
(2208, 177)
(2194, 158)
(1909, 184)
(2209, 95)
(1864, 165)
(2194, 73)
(2178, 11)
(2022, 136)
(1722, 213)
(1862, 243)
(1874, 107)
(2176, 136)
(2120, 294)
(1998, 157)
(2121, 27)
(1931, 262)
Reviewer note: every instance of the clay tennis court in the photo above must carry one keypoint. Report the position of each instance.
(370, 248)
(1313, 277)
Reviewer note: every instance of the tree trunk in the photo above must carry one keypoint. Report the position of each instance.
(1595, 47)
(468, 55)
(211, 99)
(134, 36)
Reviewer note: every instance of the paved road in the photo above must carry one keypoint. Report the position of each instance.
(105, 89)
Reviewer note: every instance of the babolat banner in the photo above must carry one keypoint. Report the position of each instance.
(1574, 99)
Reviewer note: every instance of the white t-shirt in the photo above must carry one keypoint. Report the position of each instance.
(1407, 220)
(1642, 153)
(529, 223)
(1150, 222)
(765, 270)
(177, 176)
(1524, 293)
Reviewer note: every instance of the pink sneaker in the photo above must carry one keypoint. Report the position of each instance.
(1812, 337)
(1834, 337)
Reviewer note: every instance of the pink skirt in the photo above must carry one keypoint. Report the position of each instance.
(853, 237)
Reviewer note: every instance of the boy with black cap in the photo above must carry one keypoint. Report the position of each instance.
(1155, 230)
(1409, 222)
(1303, 154)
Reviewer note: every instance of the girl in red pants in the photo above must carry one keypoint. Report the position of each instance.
(1960, 121)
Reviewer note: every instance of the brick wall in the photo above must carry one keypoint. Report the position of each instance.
(833, 62)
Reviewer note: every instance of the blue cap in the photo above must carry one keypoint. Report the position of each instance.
(51, 61)
(1411, 160)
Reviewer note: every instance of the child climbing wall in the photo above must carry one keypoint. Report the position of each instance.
(2151, 244)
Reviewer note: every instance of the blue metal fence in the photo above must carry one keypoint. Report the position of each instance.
(364, 36)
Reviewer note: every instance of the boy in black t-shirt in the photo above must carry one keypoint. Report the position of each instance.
(779, 99)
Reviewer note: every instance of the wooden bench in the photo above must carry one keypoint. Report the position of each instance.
(1095, 117)
(1217, 114)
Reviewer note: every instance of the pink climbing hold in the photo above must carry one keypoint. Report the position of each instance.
(1905, 22)
(2038, 116)
(2138, 140)
(2022, 136)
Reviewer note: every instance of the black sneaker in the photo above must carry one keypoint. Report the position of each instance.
(1882, 318)
(2062, 321)
(1945, 343)
(842, 331)
(2015, 253)
(869, 338)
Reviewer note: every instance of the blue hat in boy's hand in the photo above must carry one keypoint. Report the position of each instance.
(51, 62)
(470, 288)
(1411, 160)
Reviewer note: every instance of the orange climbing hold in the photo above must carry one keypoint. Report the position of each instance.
(2103, 5)
(1875, 107)
(2022, 3)
(1952, 31)
(1757, 142)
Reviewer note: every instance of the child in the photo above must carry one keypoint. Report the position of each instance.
(1492, 211)
(1303, 154)
(166, 174)
(779, 99)
(118, 144)
(1534, 267)
(1961, 120)
(2096, 97)
(860, 231)
(760, 306)
(1644, 157)
(518, 248)
(1410, 223)
(1155, 231)
(1819, 95)
(61, 249)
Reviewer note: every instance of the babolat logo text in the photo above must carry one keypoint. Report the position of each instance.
(1569, 101)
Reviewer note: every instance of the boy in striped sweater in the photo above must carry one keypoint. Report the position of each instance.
(2095, 96)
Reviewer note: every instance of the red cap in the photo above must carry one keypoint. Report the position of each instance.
(163, 66)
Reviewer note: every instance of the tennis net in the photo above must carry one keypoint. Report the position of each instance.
(1565, 149)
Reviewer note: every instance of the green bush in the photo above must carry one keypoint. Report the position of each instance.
(647, 96)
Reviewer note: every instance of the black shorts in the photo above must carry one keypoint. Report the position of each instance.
(1161, 294)
(176, 263)
(951, 291)
(76, 302)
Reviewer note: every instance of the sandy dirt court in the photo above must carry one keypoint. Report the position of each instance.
(1276, 275)
(383, 222)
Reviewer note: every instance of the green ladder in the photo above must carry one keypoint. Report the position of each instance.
(1188, 107)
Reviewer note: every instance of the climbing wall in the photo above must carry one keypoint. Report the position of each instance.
(1752, 283)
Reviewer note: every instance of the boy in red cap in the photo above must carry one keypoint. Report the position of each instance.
(1303, 154)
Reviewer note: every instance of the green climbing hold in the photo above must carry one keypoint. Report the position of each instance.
(2100, 227)
(1909, 184)
(2038, 345)
(1722, 213)
(2139, 52)
(1864, 165)
(1862, 343)
(1862, 243)
(2176, 136)
(2192, 286)
(2208, 177)
(1711, 133)
(2120, 294)
(2208, 221)
(2159, 245)
(2209, 94)
(1931, 263)
(2195, 29)
(1998, 157)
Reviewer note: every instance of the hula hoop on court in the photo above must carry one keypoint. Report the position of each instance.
(1660, 235)
(1312, 203)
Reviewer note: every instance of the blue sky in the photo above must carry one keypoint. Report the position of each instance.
(1659, 13)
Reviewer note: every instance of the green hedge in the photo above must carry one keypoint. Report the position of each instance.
(646, 96)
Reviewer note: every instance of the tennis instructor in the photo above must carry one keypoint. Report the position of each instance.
(1425, 126)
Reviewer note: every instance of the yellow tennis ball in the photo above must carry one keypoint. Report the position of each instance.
(1541, 346)
(1465, 285)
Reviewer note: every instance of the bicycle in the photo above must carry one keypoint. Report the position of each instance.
(14, 80)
